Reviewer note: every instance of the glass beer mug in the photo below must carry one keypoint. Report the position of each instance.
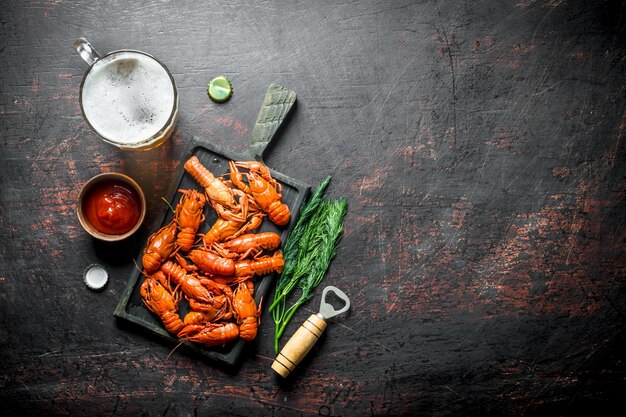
(127, 97)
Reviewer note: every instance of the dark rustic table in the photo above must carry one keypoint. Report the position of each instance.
(481, 147)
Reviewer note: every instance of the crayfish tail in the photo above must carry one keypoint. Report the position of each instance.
(190, 329)
(198, 171)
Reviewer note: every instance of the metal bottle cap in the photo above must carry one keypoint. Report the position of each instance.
(95, 277)
(220, 89)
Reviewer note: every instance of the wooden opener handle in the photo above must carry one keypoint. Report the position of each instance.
(299, 345)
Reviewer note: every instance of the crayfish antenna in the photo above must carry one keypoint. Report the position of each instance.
(175, 293)
(172, 351)
(197, 242)
(136, 265)
(141, 271)
(168, 204)
(258, 312)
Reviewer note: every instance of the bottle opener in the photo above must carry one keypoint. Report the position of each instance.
(307, 335)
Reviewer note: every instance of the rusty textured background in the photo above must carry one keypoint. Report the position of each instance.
(481, 146)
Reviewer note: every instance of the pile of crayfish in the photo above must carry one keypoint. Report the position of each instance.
(214, 271)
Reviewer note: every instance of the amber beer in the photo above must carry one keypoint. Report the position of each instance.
(128, 98)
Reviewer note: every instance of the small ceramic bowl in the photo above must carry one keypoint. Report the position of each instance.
(89, 185)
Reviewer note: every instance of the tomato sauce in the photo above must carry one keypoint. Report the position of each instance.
(112, 207)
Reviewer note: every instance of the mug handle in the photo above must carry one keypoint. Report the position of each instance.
(86, 51)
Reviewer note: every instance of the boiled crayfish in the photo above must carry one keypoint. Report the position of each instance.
(210, 334)
(211, 263)
(188, 217)
(252, 244)
(221, 197)
(190, 285)
(223, 229)
(214, 271)
(260, 266)
(159, 301)
(160, 247)
(265, 190)
(246, 311)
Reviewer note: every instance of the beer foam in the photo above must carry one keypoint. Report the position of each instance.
(128, 97)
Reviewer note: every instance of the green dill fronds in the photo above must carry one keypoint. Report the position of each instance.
(308, 253)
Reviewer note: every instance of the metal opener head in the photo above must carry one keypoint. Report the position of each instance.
(326, 309)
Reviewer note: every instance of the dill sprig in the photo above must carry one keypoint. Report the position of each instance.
(292, 245)
(308, 252)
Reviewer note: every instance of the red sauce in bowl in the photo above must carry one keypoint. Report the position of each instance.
(112, 207)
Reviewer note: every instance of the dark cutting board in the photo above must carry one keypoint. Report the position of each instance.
(276, 106)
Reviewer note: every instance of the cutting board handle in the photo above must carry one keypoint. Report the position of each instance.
(277, 104)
